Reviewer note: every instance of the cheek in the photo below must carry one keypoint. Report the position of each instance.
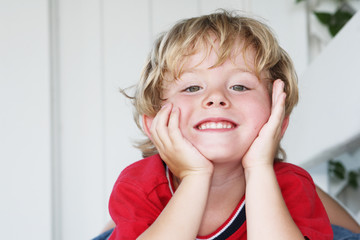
(263, 117)
(182, 102)
(186, 108)
(259, 113)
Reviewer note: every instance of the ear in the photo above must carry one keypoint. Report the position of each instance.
(284, 126)
(146, 122)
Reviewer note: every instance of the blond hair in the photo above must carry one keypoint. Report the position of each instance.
(188, 37)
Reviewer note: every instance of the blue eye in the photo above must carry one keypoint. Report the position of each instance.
(239, 88)
(192, 89)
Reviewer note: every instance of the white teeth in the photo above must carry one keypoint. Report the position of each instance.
(213, 125)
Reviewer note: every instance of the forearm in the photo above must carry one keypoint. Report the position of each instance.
(182, 216)
(337, 214)
(267, 216)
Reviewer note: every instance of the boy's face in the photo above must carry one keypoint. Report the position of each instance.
(223, 108)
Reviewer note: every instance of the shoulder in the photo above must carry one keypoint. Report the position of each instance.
(289, 175)
(286, 169)
(144, 174)
(302, 201)
(139, 195)
(148, 169)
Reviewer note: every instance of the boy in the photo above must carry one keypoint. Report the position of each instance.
(215, 98)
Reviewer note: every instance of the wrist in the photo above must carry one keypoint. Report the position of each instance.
(202, 172)
(200, 175)
(258, 170)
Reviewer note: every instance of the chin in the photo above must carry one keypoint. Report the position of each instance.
(221, 149)
(217, 156)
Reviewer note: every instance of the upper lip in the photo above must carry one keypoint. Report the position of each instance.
(216, 120)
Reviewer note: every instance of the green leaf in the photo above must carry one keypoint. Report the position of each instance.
(334, 29)
(338, 21)
(352, 179)
(297, 1)
(336, 169)
(323, 17)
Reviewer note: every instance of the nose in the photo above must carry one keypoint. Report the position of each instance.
(216, 100)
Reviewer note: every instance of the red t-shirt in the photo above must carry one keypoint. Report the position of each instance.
(144, 188)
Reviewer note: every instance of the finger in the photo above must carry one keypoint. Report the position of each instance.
(278, 89)
(278, 114)
(154, 135)
(278, 107)
(177, 138)
(278, 95)
(174, 126)
(159, 127)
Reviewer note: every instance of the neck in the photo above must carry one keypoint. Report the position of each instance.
(226, 177)
(229, 181)
(226, 174)
(226, 190)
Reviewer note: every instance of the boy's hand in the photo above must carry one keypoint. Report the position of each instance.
(179, 154)
(263, 149)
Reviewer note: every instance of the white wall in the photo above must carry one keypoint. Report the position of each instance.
(25, 144)
(81, 101)
(288, 20)
(66, 132)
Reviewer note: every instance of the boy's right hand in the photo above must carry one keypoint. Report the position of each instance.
(194, 172)
(182, 158)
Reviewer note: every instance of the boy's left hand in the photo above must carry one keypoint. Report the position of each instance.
(264, 148)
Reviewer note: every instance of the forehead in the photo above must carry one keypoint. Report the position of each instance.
(213, 57)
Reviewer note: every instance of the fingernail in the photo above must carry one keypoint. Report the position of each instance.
(281, 84)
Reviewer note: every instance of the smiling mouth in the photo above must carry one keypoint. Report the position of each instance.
(216, 125)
